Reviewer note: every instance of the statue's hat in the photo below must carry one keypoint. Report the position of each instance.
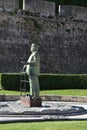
(34, 45)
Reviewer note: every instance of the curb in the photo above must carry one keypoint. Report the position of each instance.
(65, 98)
(33, 119)
(47, 98)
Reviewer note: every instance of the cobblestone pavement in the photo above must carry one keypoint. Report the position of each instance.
(13, 111)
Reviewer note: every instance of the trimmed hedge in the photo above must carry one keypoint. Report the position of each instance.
(11, 81)
(63, 81)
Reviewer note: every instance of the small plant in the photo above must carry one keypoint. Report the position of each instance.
(37, 26)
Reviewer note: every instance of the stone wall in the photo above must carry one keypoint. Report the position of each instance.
(62, 44)
(9, 5)
(44, 8)
(75, 12)
(13, 43)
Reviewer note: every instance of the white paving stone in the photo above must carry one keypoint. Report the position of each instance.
(13, 111)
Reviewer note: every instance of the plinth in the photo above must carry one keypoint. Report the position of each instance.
(31, 102)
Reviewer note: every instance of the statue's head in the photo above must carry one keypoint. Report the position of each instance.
(34, 47)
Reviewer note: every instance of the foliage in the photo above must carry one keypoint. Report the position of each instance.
(63, 81)
(11, 81)
(37, 26)
(20, 4)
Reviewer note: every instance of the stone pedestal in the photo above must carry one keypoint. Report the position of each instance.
(28, 101)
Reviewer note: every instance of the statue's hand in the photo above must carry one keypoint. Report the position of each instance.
(24, 67)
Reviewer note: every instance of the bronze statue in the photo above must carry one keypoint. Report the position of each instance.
(33, 71)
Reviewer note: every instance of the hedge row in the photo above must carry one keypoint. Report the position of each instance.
(63, 81)
(11, 81)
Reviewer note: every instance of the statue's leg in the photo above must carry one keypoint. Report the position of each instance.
(31, 85)
(37, 89)
(34, 86)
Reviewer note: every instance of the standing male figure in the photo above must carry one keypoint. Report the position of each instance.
(33, 71)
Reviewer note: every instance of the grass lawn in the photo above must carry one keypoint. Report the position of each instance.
(8, 92)
(58, 125)
(68, 92)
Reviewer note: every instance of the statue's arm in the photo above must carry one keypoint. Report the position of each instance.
(32, 63)
(35, 60)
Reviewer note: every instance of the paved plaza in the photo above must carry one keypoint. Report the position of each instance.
(13, 111)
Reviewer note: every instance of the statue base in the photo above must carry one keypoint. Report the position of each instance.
(30, 102)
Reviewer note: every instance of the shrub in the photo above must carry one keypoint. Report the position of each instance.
(63, 81)
(11, 81)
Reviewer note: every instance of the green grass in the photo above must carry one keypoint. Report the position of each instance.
(7, 92)
(65, 92)
(58, 125)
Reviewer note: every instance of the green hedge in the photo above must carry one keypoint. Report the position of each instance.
(63, 81)
(11, 81)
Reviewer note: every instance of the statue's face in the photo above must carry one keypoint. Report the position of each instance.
(33, 48)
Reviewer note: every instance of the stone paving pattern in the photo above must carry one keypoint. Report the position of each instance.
(13, 111)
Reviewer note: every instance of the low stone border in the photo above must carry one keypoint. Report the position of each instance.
(9, 97)
(47, 98)
(65, 98)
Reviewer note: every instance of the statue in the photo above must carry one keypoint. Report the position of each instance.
(33, 71)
